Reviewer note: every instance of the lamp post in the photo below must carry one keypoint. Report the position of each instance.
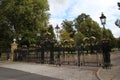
(105, 44)
(50, 46)
(38, 47)
(41, 56)
(38, 37)
(103, 22)
(57, 30)
(20, 38)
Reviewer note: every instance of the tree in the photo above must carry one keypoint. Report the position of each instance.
(65, 38)
(110, 36)
(69, 27)
(64, 35)
(118, 43)
(80, 23)
(23, 17)
(87, 27)
(67, 33)
(51, 30)
(79, 38)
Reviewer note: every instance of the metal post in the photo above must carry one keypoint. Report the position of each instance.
(51, 54)
(78, 56)
(42, 53)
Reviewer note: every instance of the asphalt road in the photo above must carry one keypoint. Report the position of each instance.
(11, 74)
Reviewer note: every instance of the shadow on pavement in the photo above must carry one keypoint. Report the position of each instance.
(11, 74)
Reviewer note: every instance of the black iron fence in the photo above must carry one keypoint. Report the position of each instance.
(5, 55)
(59, 55)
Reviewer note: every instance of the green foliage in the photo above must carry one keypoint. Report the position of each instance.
(118, 42)
(51, 30)
(87, 28)
(23, 17)
(108, 35)
(28, 38)
(84, 26)
(64, 35)
(79, 20)
(79, 38)
(68, 26)
(67, 33)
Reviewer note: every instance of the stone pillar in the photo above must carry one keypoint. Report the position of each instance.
(13, 47)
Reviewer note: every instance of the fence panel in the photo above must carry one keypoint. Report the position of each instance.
(59, 56)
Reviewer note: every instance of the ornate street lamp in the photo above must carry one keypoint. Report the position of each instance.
(40, 45)
(103, 22)
(20, 38)
(117, 22)
(38, 37)
(103, 19)
(118, 5)
(105, 45)
(39, 49)
(57, 30)
(49, 45)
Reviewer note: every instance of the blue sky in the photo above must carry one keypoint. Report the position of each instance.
(70, 9)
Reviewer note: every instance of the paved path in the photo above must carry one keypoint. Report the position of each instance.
(63, 72)
(114, 72)
(12, 74)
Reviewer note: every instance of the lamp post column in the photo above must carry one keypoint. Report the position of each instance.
(103, 22)
(105, 44)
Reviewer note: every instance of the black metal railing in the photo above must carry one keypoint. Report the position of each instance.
(59, 55)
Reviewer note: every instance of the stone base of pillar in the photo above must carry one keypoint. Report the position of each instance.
(13, 48)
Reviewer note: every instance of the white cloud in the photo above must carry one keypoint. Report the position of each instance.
(58, 7)
(56, 21)
(70, 9)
